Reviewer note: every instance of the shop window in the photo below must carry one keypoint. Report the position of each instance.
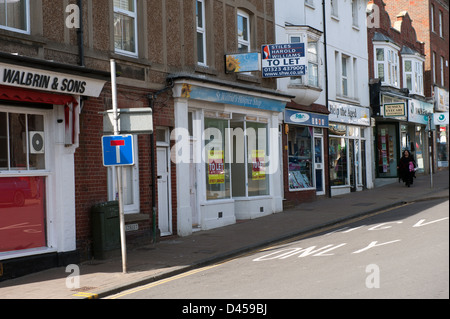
(338, 161)
(125, 27)
(217, 170)
(22, 206)
(15, 15)
(243, 28)
(258, 180)
(300, 157)
(130, 184)
(201, 32)
(22, 142)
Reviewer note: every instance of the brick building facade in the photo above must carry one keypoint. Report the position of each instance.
(156, 54)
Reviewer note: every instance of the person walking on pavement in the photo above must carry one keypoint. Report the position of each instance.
(406, 168)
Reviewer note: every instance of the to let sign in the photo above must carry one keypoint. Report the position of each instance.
(283, 60)
(118, 150)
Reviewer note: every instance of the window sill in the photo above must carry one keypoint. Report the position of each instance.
(131, 218)
(347, 99)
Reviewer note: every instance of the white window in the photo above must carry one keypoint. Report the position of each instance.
(130, 184)
(201, 33)
(413, 75)
(432, 18)
(355, 13)
(442, 71)
(387, 66)
(344, 75)
(334, 8)
(125, 27)
(434, 67)
(311, 41)
(440, 24)
(15, 15)
(243, 24)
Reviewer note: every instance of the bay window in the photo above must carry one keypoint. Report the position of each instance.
(387, 65)
(413, 75)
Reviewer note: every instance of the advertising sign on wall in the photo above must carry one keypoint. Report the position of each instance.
(283, 60)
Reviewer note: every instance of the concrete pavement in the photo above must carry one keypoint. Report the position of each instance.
(100, 278)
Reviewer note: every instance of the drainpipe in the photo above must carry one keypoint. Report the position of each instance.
(80, 32)
(326, 94)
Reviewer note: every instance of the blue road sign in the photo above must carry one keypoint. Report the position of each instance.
(118, 150)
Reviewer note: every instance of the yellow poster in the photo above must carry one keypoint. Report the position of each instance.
(258, 165)
(216, 173)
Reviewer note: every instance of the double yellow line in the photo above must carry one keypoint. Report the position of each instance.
(86, 295)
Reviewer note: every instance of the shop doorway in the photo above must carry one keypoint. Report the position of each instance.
(353, 163)
(196, 225)
(318, 165)
(163, 181)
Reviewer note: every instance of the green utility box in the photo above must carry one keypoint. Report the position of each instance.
(105, 229)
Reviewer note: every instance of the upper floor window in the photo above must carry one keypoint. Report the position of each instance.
(243, 24)
(413, 75)
(125, 27)
(15, 15)
(201, 32)
(334, 8)
(355, 13)
(432, 17)
(311, 41)
(440, 24)
(345, 75)
(386, 65)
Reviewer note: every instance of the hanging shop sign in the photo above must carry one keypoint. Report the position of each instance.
(283, 60)
(305, 118)
(418, 111)
(348, 114)
(440, 119)
(244, 62)
(216, 172)
(441, 100)
(18, 76)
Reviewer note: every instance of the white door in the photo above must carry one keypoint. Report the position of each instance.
(164, 214)
(193, 190)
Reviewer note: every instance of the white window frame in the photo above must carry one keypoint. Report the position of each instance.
(345, 75)
(432, 18)
(27, 20)
(133, 208)
(334, 8)
(442, 71)
(416, 74)
(390, 64)
(240, 39)
(305, 37)
(355, 18)
(201, 30)
(434, 67)
(440, 24)
(132, 15)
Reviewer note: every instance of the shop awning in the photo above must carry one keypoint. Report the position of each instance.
(30, 96)
(23, 95)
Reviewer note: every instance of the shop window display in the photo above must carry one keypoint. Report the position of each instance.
(300, 158)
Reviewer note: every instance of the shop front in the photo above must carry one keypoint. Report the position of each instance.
(349, 161)
(39, 126)
(390, 135)
(227, 152)
(306, 160)
(441, 119)
(414, 135)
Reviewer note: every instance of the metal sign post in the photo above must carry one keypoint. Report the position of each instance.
(119, 169)
(430, 147)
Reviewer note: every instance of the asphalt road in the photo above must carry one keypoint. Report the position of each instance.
(400, 253)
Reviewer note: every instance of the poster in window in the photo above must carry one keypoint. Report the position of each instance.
(216, 174)
(258, 169)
